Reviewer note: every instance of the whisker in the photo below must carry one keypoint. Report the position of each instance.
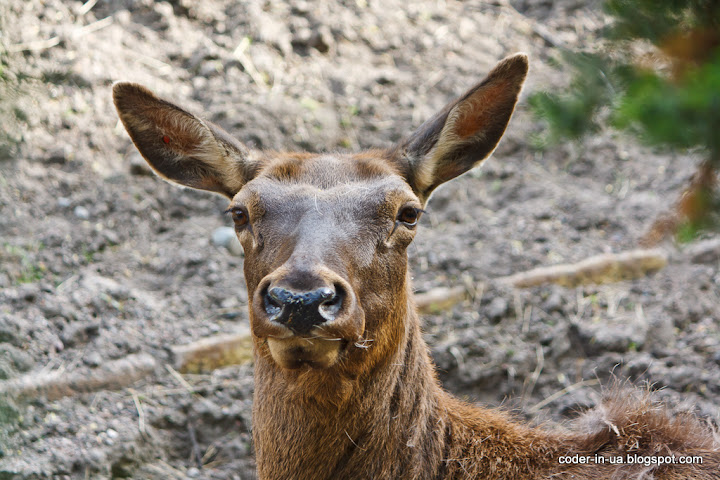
(364, 343)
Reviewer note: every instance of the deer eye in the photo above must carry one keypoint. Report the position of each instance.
(239, 215)
(409, 215)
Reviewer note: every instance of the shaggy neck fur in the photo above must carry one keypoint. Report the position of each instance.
(392, 422)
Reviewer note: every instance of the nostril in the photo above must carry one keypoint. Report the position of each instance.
(332, 303)
(325, 293)
(273, 300)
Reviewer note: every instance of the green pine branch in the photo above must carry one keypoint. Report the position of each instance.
(667, 96)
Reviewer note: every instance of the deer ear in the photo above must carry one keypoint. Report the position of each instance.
(179, 146)
(465, 132)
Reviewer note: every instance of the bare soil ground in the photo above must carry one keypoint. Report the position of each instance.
(100, 260)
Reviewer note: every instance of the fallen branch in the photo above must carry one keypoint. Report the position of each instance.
(112, 375)
(210, 353)
(439, 299)
(605, 268)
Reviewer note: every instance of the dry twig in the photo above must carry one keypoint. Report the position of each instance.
(605, 268)
(112, 375)
(440, 298)
(210, 353)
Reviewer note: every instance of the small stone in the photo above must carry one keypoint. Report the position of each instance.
(122, 17)
(93, 359)
(111, 237)
(29, 292)
(320, 39)
(81, 212)
(273, 31)
(200, 83)
(226, 237)
(222, 235)
(96, 456)
(301, 7)
(612, 337)
(19, 359)
(706, 251)
(193, 472)
(78, 333)
(661, 332)
(497, 309)
(198, 57)
(63, 202)
(210, 68)
(9, 331)
(58, 156)
(554, 303)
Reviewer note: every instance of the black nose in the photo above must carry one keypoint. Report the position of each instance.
(301, 311)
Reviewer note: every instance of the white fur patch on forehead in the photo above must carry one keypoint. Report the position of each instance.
(339, 189)
(328, 170)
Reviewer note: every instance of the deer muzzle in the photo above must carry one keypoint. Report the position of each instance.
(306, 327)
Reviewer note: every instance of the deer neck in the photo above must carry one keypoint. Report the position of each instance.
(316, 425)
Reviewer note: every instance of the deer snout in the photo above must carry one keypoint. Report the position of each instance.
(304, 320)
(303, 311)
(291, 303)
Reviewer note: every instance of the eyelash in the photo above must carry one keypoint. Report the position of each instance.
(239, 216)
(415, 216)
(411, 226)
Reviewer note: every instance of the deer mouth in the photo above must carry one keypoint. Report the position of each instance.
(320, 348)
(314, 352)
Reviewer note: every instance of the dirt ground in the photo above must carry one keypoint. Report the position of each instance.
(99, 260)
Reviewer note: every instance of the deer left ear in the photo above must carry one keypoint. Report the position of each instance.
(465, 132)
(181, 147)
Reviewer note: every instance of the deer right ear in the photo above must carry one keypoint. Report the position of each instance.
(181, 147)
(465, 132)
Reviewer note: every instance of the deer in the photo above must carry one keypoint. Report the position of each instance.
(344, 383)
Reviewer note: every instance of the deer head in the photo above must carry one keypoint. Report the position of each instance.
(325, 235)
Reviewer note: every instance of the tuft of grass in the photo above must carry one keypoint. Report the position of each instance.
(22, 265)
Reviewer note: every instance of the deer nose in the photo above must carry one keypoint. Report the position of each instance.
(301, 311)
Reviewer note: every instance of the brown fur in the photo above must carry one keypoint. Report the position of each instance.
(358, 397)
